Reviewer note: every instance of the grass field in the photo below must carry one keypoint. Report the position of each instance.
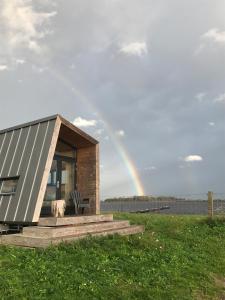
(176, 258)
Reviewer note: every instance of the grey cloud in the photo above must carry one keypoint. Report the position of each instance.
(152, 97)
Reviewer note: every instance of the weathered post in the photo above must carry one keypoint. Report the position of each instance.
(210, 204)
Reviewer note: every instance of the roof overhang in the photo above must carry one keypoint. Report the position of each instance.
(75, 136)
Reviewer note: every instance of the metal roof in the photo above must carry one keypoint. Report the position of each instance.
(49, 118)
(27, 124)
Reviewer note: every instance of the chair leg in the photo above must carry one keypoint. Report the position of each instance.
(82, 210)
(76, 209)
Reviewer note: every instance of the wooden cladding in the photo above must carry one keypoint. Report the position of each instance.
(88, 176)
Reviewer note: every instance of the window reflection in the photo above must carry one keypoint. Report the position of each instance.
(8, 185)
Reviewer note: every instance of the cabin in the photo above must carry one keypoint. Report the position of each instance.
(44, 161)
(48, 169)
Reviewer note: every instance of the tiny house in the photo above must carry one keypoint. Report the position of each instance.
(42, 161)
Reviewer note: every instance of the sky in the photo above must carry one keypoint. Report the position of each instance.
(146, 78)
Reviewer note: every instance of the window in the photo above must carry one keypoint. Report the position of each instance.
(8, 185)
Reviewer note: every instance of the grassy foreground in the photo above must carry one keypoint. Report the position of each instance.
(176, 258)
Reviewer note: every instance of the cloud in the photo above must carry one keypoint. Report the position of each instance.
(72, 66)
(151, 168)
(193, 158)
(22, 26)
(120, 133)
(99, 131)
(136, 49)
(38, 69)
(200, 96)
(3, 67)
(80, 122)
(20, 61)
(215, 35)
(157, 89)
(211, 124)
(220, 98)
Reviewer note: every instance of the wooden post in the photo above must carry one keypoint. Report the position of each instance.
(210, 204)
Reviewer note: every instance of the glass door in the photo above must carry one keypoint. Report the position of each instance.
(67, 178)
(61, 181)
(51, 190)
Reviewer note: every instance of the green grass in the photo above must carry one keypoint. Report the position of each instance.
(176, 258)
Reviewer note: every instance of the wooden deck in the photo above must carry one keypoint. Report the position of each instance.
(52, 231)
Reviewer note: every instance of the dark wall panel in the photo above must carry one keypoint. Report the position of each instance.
(24, 153)
(11, 154)
(18, 160)
(18, 200)
(1, 141)
(9, 159)
(3, 161)
(4, 204)
(27, 167)
(19, 151)
(3, 156)
(40, 169)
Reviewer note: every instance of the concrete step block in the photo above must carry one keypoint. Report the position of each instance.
(24, 241)
(43, 242)
(52, 232)
(74, 220)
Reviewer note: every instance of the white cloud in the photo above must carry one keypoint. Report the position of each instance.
(200, 96)
(136, 48)
(3, 67)
(23, 26)
(80, 122)
(220, 98)
(215, 35)
(38, 69)
(120, 133)
(151, 168)
(99, 131)
(72, 66)
(212, 36)
(20, 61)
(211, 124)
(193, 158)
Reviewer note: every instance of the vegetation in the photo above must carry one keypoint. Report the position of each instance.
(176, 258)
(143, 198)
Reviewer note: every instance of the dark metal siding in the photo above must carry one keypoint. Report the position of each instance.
(23, 152)
(40, 169)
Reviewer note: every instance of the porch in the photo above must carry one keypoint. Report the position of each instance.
(52, 231)
(75, 166)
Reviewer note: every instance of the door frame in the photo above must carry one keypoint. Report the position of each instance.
(59, 159)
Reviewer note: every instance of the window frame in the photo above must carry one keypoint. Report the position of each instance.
(3, 179)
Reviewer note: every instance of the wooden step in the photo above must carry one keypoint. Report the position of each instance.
(42, 242)
(74, 220)
(59, 231)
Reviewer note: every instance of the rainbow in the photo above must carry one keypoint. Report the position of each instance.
(125, 156)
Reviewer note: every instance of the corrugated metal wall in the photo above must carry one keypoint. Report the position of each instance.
(23, 153)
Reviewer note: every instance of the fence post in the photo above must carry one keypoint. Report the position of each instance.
(210, 204)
